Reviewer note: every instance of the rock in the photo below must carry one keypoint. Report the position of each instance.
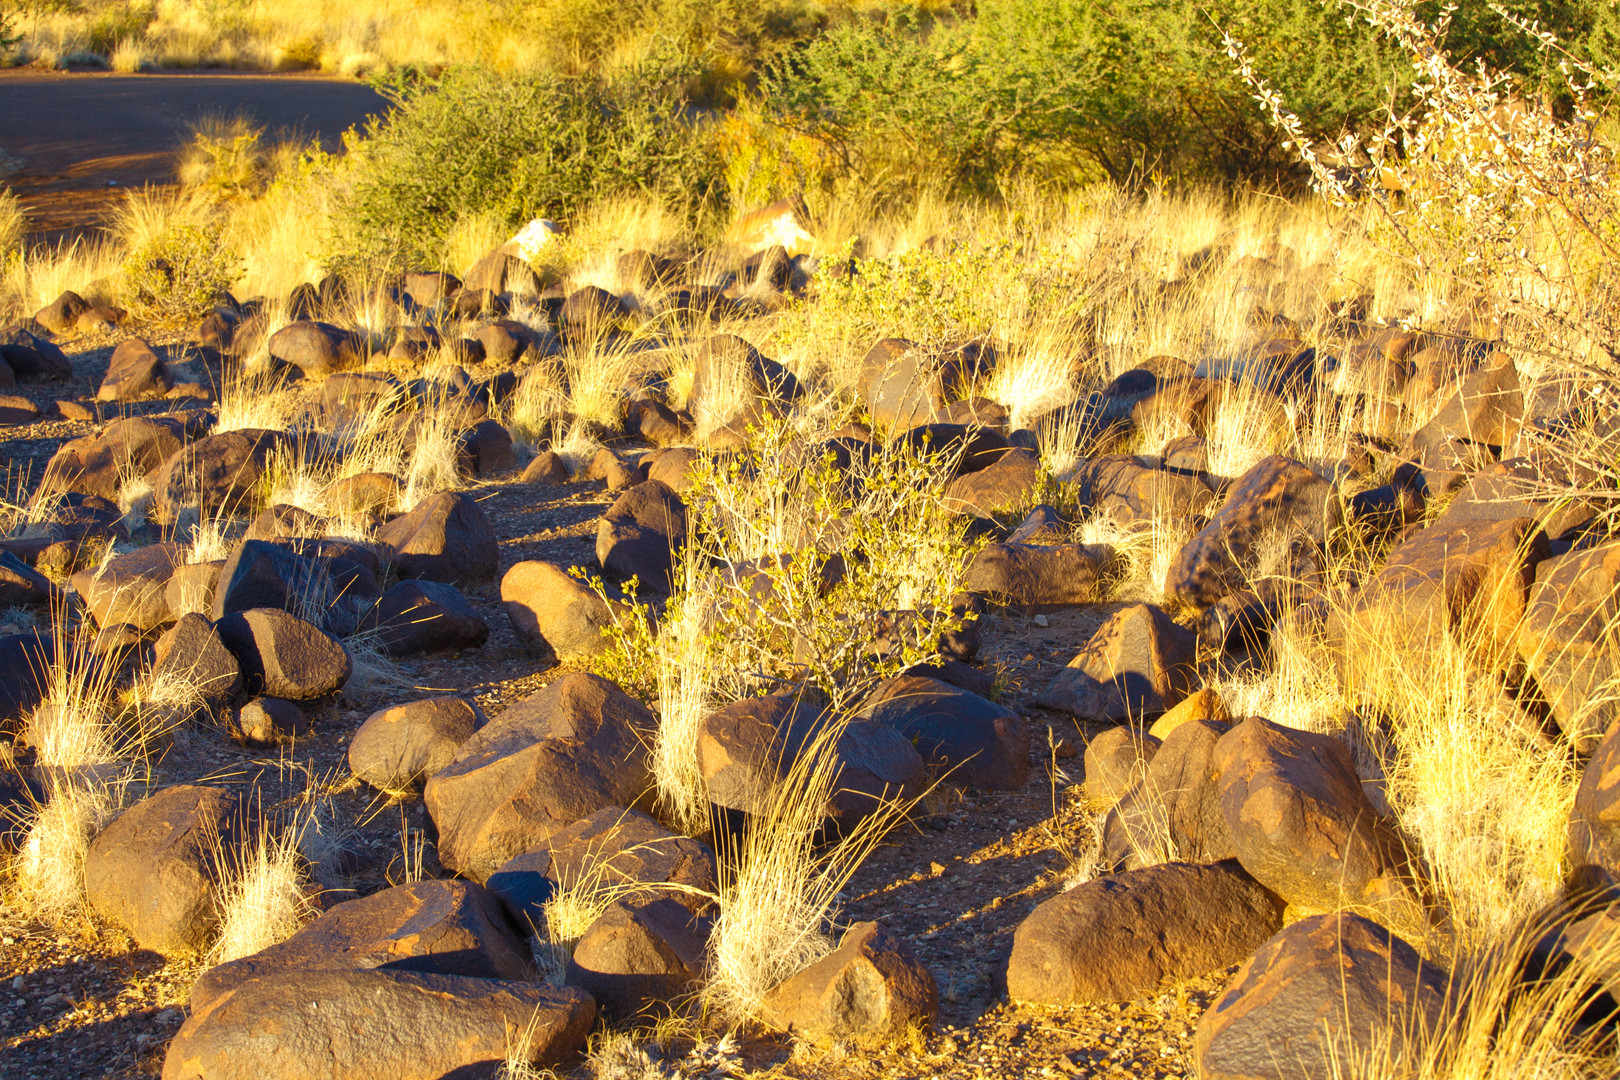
(729, 374)
(352, 401)
(1469, 582)
(271, 720)
(1003, 487)
(641, 533)
(218, 474)
(17, 411)
(153, 870)
(415, 617)
(618, 471)
(1518, 487)
(97, 464)
(61, 316)
(640, 956)
(502, 272)
(960, 448)
(1203, 704)
(1301, 823)
(1130, 492)
(284, 522)
(1120, 938)
(366, 493)
(31, 358)
(1594, 818)
(1569, 639)
(903, 386)
(298, 577)
(135, 372)
(746, 747)
(130, 588)
(192, 654)
(504, 341)
(872, 990)
(1330, 988)
(446, 538)
(1187, 454)
(1277, 504)
(1036, 577)
(551, 609)
(673, 467)
(590, 310)
(25, 665)
(427, 288)
(1174, 813)
(546, 470)
(980, 742)
(486, 449)
(1137, 664)
(1116, 760)
(21, 585)
(317, 349)
(283, 656)
(403, 1025)
(399, 747)
(548, 761)
(613, 851)
(430, 927)
(1487, 411)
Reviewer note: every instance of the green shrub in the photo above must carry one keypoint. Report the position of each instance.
(176, 276)
(517, 147)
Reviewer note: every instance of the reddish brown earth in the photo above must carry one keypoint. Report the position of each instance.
(84, 138)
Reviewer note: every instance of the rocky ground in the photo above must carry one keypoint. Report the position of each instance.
(1109, 973)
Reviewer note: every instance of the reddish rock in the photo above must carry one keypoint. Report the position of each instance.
(1138, 663)
(872, 991)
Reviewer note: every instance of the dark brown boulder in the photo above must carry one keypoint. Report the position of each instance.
(1468, 581)
(619, 471)
(1119, 938)
(981, 743)
(1569, 639)
(154, 870)
(746, 747)
(872, 991)
(1594, 819)
(415, 617)
(548, 469)
(403, 745)
(551, 759)
(639, 956)
(1327, 990)
(1005, 486)
(316, 348)
(438, 927)
(641, 534)
(447, 538)
(1174, 813)
(399, 1025)
(283, 656)
(1036, 577)
(135, 372)
(614, 852)
(551, 609)
(61, 316)
(1139, 663)
(1116, 761)
(1130, 492)
(130, 588)
(1302, 825)
(216, 475)
(192, 653)
(1278, 504)
(32, 358)
(266, 720)
(97, 464)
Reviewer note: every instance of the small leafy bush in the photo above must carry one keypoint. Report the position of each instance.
(176, 275)
(517, 147)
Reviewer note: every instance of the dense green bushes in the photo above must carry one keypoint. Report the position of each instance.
(517, 147)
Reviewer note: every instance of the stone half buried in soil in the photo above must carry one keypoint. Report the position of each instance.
(402, 1025)
(1120, 937)
(641, 956)
(441, 927)
(872, 990)
(1139, 663)
(401, 746)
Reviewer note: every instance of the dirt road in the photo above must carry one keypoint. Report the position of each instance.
(84, 138)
